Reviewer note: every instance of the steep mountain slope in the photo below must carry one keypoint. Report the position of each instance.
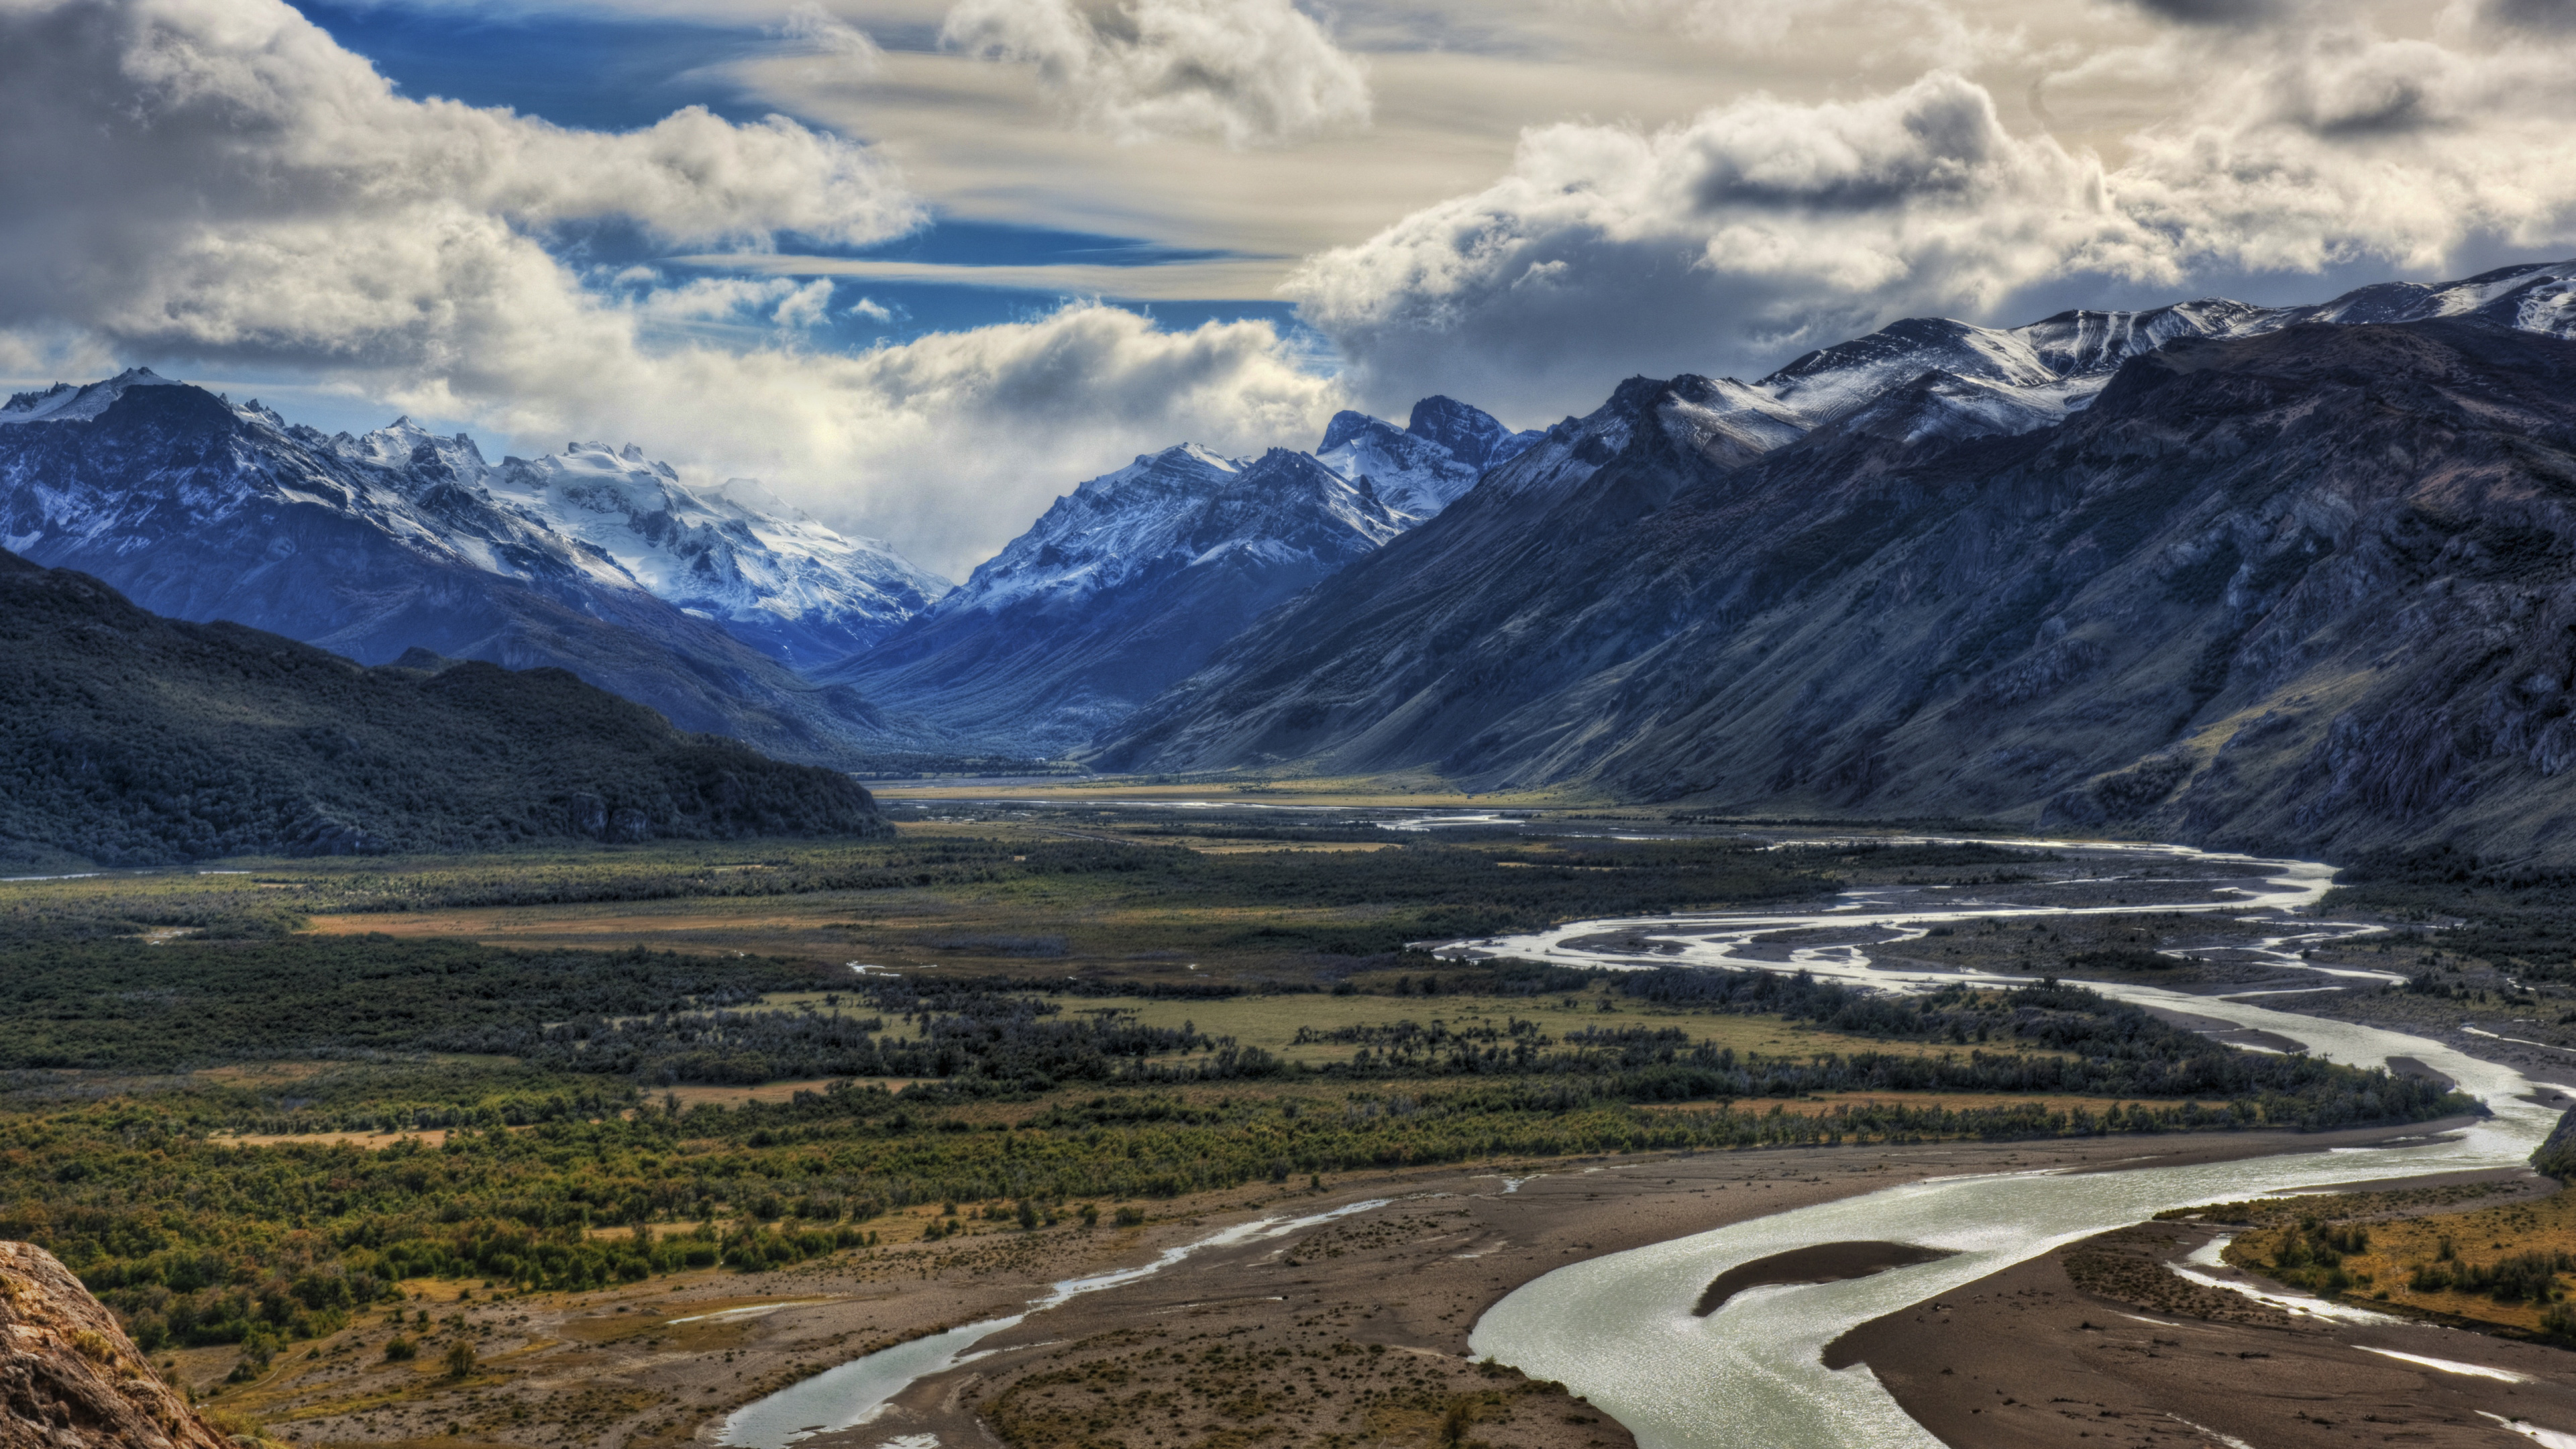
(1421, 468)
(1129, 582)
(2312, 588)
(130, 739)
(370, 547)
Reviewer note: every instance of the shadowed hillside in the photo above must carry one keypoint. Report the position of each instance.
(130, 739)
(2314, 590)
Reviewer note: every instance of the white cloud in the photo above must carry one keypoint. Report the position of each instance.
(1758, 229)
(216, 183)
(950, 444)
(819, 32)
(1249, 72)
(1764, 226)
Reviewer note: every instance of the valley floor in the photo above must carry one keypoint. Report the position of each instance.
(1346, 1333)
(2102, 1342)
(729, 972)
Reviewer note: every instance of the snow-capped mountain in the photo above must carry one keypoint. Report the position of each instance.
(1122, 586)
(1987, 380)
(1946, 568)
(772, 576)
(1421, 468)
(202, 509)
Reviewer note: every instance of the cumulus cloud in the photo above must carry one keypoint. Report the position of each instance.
(1866, 33)
(1763, 227)
(216, 181)
(2546, 15)
(1248, 72)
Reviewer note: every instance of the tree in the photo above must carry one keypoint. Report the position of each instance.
(460, 1360)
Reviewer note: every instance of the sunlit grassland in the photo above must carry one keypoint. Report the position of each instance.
(2506, 1263)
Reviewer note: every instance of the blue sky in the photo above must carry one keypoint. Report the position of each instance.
(922, 265)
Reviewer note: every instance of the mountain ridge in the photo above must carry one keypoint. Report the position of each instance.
(2212, 589)
(200, 509)
(129, 738)
(1123, 585)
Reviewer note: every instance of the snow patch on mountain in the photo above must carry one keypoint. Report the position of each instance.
(1423, 467)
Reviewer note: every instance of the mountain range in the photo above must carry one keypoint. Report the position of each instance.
(131, 739)
(1134, 580)
(2298, 579)
(201, 509)
(2160, 570)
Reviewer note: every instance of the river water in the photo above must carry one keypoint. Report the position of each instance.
(854, 1392)
(1619, 1329)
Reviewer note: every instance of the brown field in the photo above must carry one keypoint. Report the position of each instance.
(1411, 791)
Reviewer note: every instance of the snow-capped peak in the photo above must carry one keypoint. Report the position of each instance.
(65, 403)
(802, 592)
(1423, 467)
(1184, 506)
(2014, 379)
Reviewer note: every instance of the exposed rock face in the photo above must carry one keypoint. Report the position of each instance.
(70, 1378)
(2309, 590)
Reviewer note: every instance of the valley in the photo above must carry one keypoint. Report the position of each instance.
(1086, 1032)
(1256, 724)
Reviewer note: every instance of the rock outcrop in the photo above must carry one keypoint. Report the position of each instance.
(70, 1378)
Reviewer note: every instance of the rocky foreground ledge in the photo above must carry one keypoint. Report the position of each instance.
(70, 1378)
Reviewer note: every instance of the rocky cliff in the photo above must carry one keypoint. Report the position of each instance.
(70, 1378)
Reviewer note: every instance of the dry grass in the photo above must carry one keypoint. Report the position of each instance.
(2481, 1236)
(1271, 1022)
(772, 1091)
(1824, 1103)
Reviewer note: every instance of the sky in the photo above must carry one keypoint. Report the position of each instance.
(923, 265)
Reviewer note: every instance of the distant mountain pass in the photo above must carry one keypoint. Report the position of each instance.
(130, 739)
(1128, 583)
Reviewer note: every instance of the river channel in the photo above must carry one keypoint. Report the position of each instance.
(1620, 1330)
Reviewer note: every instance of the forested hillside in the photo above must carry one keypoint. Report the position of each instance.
(130, 739)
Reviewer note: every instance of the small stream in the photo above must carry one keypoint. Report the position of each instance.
(854, 1392)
